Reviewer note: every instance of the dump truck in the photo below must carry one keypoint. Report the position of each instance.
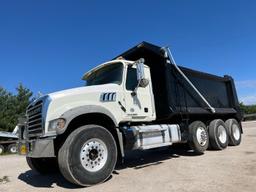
(139, 100)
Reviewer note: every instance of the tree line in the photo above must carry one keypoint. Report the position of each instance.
(13, 106)
(248, 109)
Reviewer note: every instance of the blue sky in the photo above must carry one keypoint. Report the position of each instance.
(48, 45)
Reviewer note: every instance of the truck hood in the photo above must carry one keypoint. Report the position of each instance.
(84, 90)
(58, 103)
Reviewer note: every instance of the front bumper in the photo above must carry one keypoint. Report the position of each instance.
(38, 148)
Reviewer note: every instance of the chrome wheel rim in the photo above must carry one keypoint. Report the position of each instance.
(93, 155)
(236, 132)
(201, 136)
(13, 149)
(222, 134)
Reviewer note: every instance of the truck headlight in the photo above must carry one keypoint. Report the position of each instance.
(57, 124)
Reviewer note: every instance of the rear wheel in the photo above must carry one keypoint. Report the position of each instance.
(198, 137)
(88, 155)
(43, 165)
(12, 148)
(234, 132)
(1, 149)
(218, 134)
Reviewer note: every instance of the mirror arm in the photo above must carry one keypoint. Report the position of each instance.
(134, 92)
(137, 63)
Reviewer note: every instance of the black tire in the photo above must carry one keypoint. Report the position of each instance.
(1, 149)
(234, 132)
(198, 139)
(72, 164)
(43, 165)
(12, 148)
(218, 134)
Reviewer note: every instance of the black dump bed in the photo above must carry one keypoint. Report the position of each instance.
(175, 97)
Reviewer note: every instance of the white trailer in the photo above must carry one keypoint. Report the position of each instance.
(8, 141)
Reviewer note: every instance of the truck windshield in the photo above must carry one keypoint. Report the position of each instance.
(111, 73)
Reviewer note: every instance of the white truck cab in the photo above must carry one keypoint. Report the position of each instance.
(137, 102)
(111, 88)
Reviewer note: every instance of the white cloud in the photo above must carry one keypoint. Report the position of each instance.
(249, 100)
(247, 91)
(246, 84)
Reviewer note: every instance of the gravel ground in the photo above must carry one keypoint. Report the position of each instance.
(233, 169)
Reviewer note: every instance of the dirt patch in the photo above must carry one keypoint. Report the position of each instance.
(249, 152)
(4, 179)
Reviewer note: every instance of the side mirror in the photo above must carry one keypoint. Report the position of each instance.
(142, 81)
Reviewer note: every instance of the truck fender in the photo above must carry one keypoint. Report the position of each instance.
(82, 110)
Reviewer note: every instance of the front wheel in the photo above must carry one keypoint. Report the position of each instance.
(88, 155)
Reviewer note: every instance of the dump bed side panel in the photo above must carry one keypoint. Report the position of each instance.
(218, 91)
(215, 90)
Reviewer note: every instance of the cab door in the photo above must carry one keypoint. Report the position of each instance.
(139, 103)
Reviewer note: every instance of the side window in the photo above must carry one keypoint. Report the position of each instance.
(131, 80)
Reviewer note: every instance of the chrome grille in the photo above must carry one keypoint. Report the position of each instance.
(35, 120)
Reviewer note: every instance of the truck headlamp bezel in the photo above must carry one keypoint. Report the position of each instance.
(57, 124)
